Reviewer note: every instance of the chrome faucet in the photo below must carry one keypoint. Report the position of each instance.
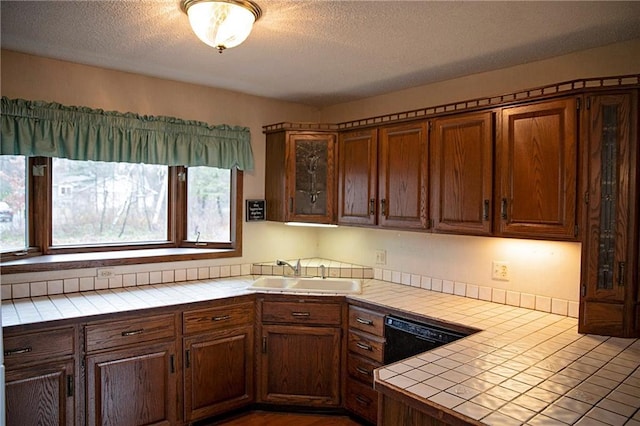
(296, 268)
(323, 273)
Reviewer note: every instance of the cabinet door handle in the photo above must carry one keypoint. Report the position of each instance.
(383, 207)
(363, 400)
(363, 370)
(172, 364)
(70, 385)
(622, 269)
(503, 209)
(290, 204)
(18, 351)
(187, 359)
(485, 210)
(132, 332)
(264, 344)
(300, 314)
(364, 346)
(221, 318)
(372, 207)
(364, 321)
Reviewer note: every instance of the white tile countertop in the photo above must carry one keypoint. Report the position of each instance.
(524, 367)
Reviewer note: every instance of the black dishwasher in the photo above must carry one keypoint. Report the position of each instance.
(406, 338)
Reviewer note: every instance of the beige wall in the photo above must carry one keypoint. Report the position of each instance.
(537, 267)
(615, 59)
(37, 78)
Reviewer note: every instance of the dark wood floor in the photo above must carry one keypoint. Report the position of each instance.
(267, 418)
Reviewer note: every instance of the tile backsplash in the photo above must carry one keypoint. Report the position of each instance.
(12, 289)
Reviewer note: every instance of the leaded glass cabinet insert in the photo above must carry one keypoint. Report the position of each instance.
(610, 215)
(311, 177)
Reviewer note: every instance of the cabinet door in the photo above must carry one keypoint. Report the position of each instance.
(358, 177)
(403, 176)
(218, 372)
(611, 197)
(131, 387)
(537, 167)
(311, 177)
(300, 365)
(462, 173)
(41, 395)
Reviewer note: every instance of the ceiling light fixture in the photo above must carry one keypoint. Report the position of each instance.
(221, 24)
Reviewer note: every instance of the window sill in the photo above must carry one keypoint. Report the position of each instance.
(56, 262)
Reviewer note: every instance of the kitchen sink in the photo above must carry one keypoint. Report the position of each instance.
(307, 285)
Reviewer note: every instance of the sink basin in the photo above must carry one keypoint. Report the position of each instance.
(328, 285)
(272, 283)
(308, 285)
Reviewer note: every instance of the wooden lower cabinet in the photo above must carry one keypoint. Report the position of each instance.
(218, 358)
(300, 365)
(394, 412)
(362, 400)
(42, 395)
(365, 344)
(132, 371)
(300, 350)
(41, 379)
(133, 386)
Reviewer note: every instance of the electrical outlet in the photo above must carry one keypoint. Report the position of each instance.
(106, 273)
(500, 270)
(381, 257)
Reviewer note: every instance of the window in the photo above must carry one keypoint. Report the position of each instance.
(13, 236)
(108, 213)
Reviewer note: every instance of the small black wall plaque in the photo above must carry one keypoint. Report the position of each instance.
(255, 210)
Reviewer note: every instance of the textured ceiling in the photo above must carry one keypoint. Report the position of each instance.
(318, 52)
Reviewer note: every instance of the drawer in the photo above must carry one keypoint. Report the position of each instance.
(362, 400)
(366, 320)
(128, 332)
(367, 345)
(42, 346)
(302, 312)
(361, 368)
(218, 318)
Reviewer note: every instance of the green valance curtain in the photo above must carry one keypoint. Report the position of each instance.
(36, 128)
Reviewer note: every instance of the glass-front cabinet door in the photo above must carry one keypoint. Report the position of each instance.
(610, 199)
(311, 177)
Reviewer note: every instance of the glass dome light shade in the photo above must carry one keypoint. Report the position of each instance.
(221, 24)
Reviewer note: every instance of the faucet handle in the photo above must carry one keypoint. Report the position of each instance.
(298, 268)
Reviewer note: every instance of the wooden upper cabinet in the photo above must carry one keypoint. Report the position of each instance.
(403, 179)
(462, 173)
(536, 167)
(358, 177)
(300, 176)
(610, 218)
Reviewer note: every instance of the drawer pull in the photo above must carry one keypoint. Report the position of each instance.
(132, 332)
(364, 346)
(221, 318)
(363, 370)
(300, 314)
(364, 321)
(10, 352)
(363, 400)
